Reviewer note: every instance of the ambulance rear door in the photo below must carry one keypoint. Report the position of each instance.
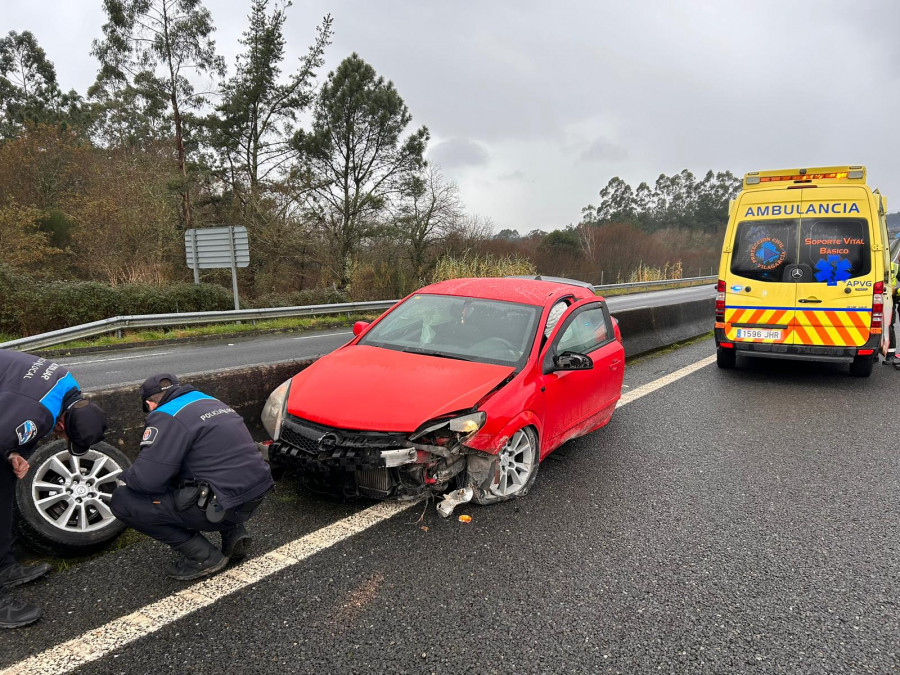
(760, 293)
(835, 270)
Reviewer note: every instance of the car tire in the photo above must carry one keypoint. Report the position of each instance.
(725, 358)
(516, 468)
(862, 366)
(86, 485)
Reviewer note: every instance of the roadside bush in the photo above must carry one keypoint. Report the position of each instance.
(31, 307)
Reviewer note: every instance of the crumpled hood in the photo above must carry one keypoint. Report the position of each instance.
(368, 388)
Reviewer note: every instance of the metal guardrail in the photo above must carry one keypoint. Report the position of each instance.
(649, 284)
(119, 323)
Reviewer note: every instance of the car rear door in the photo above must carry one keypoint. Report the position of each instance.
(577, 401)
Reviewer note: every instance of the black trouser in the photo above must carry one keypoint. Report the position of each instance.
(7, 499)
(159, 517)
(892, 329)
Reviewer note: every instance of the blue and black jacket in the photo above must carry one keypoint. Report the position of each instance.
(33, 392)
(195, 437)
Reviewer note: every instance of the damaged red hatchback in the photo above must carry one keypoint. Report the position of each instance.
(460, 389)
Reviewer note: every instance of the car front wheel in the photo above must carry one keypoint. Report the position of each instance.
(63, 502)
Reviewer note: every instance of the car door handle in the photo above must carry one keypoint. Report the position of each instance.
(808, 300)
(613, 365)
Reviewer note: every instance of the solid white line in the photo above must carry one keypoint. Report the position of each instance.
(313, 337)
(97, 643)
(115, 358)
(100, 641)
(649, 388)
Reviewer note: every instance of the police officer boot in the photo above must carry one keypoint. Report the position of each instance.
(15, 613)
(236, 543)
(200, 559)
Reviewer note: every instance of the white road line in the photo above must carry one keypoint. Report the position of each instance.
(101, 641)
(312, 337)
(97, 643)
(649, 388)
(114, 358)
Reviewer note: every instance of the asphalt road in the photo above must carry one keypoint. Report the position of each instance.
(102, 370)
(740, 521)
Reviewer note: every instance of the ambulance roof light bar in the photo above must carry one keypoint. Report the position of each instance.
(856, 172)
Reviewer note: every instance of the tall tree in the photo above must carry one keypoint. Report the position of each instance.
(256, 119)
(431, 208)
(168, 40)
(29, 92)
(355, 158)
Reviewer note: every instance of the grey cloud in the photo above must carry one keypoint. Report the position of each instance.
(602, 150)
(513, 176)
(459, 152)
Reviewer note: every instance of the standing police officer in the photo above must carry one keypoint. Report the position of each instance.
(199, 470)
(37, 396)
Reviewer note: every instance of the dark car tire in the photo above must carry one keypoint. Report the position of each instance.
(489, 493)
(725, 358)
(94, 484)
(862, 366)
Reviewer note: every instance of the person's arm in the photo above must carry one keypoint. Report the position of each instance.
(23, 422)
(163, 447)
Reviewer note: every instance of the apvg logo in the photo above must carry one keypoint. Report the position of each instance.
(26, 431)
(767, 253)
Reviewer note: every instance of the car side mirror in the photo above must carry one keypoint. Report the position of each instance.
(359, 327)
(573, 361)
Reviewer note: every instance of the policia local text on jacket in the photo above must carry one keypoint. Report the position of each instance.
(198, 470)
(37, 397)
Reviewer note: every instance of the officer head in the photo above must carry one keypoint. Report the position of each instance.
(83, 424)
(153, 387)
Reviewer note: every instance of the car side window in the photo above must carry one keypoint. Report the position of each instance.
(586, 330)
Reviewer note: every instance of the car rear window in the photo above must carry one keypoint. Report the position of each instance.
(826, 249)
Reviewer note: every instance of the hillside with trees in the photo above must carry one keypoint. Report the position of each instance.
(327, 172)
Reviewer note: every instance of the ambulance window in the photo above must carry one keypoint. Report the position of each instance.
(835, 248)
(764, 248)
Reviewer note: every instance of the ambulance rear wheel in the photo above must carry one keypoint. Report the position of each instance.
(862, 366)
(726, 358)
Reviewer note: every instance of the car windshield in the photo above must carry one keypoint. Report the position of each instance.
(471, 329)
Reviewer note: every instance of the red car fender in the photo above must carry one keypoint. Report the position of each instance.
(493, 443)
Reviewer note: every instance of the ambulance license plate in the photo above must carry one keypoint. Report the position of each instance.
(758, 334)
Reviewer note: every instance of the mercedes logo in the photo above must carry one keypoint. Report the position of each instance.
(329, 441)
(796, 273)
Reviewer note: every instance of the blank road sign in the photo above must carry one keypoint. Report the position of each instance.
(215, 246)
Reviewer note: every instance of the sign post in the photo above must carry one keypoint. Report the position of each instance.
(218, 247)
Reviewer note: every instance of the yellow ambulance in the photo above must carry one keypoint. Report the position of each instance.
(805, 269)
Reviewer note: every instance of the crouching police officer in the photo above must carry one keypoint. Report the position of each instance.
(198, 470)
(37, 396)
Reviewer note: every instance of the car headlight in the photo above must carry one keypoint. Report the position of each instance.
(460, 427)
(273, 412)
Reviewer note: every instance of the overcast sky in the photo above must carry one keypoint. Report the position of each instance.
(534, 105)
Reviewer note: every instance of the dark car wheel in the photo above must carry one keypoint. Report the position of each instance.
(862, 366)
(63, 502)
(725, 358)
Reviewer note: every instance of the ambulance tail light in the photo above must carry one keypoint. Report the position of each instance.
(877, 307)
(720, 301)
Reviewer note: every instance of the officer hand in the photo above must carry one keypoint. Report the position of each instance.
(19, 464)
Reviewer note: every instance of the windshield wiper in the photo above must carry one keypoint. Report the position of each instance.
(442, 355)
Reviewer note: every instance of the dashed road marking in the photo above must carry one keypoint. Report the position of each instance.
(114, 358)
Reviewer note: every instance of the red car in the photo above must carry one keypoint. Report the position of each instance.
(462, 388)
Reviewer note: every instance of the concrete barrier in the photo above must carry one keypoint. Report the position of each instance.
(246, 389)
(650, 328)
